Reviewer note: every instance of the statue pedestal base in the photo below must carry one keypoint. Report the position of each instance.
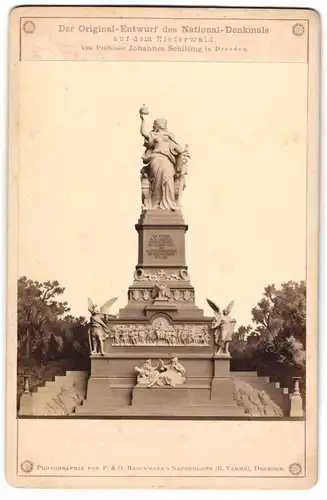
(26, 404)
(153, 396)
(160, 321)
(112, 389)
(162, 411)
(222, 384)
(296, 405)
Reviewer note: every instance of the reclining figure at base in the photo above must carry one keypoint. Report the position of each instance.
(160, 375)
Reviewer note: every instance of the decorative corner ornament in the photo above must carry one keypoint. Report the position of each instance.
(28, 27)
(298, 29)
(27, 466)
(295, 469)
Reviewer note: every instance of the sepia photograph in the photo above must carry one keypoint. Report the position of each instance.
(176, 228)
(164, 224)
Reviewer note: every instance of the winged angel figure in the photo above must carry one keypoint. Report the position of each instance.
(98, 330)
(223, 326)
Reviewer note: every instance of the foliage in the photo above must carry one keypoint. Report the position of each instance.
(37, 307)
(45, 329)
(282, 312)
(278, 335)
(242, 339)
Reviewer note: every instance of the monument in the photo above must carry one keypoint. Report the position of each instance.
(160, 356)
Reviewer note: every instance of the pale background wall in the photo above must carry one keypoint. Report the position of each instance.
(79, 189)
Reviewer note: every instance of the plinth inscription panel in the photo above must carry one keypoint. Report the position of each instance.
(160, 246)
(163, 247)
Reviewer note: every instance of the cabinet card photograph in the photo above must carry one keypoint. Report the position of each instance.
(163, 248)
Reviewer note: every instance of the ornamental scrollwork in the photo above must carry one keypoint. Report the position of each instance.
(140, 275)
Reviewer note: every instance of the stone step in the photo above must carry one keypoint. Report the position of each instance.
(50, 383)
(278, 395)
(45, 394)
(50, 390)
(187, 386)
(81, 388)
(39, 399)
(77, 374)
(60, 378)
(249, 380)
(161, 411)
(244, 374)
(69, 379)
(268, 386)
(250, 377)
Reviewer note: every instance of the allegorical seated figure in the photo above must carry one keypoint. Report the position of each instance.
(164, 160)
(160, 375)
(147, 373)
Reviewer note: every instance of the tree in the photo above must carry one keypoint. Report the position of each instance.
(38, 307)
(239, 340)
(282, 312)
(71, 335)
(278, 334)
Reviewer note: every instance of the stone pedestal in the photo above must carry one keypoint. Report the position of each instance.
(26, 404)
(112, 389)
(296, 401)
(161, 239)
(98, 388)
(296, 405)
(160, 321)
(161, 261)
(154, 396)
(222, 383)
(221, 365)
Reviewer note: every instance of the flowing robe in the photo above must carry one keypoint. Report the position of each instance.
(223, 326)
(173, 374)
(161, 156)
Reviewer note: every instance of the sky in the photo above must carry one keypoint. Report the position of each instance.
(80, 156)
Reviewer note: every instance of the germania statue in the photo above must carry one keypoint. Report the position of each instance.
(163, 176)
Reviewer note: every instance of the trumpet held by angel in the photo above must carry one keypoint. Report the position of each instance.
(98, 330)
(223, 326)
